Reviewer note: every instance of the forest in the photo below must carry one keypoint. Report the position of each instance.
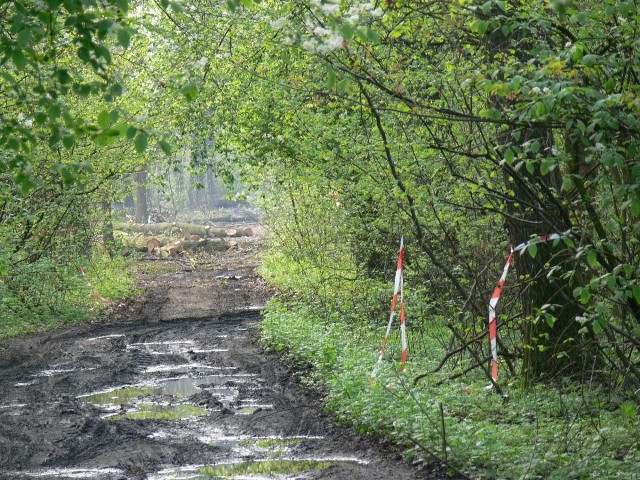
(478, 132)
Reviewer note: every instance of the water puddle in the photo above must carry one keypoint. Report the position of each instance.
(103, 337)
(153, 411)
(251, 409)
(119, 396)
(172, 348)
(264, 467)
(96, 473)
(143, 398)
(24, 384)
(60, 371)
(185, 368)
(12, 409)
(254, 470)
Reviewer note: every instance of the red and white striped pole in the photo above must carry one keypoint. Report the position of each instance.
(397, 291)
(497, 293)
(493, 326)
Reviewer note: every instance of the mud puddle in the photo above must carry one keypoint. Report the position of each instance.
(173, 387)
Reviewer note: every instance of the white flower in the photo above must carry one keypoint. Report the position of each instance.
(321, 32)
(309, 44)
(202, 62)
(332, 43)
(330, 8)
(335, 42)
(279, 23)
(535, 90)
(378, 12)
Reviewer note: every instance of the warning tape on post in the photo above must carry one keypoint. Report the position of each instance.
(497, 293)
(398, 294)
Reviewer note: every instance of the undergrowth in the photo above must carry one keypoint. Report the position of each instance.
(46, 294)
(565, 433)
(562, 431)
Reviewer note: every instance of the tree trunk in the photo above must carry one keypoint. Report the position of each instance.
(107, 227)
(552, 343)
(142, 212)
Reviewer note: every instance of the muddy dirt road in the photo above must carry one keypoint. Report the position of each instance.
(172, 386)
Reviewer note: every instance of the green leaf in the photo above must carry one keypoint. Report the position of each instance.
(24, 37)
(123, 4)
(480, 27)
(636, 293)
(589, 60)
(533, 250)
(68, 141)
(597, 328)
(54, 111)
(585, 295)
(592, 258)
(140, 142)
(628, 410)
(63, 76)
(41, 118)
(131, 132)
(18, 58)
(509, 155)
(531, 166)
(190, 91)
(346, 30)
(124, 37)
(104, 119)
(166, 147)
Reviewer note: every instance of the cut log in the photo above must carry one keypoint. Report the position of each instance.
(152, 244)
(173, 229)
(215, 245)
(191, 244)
(247, 232)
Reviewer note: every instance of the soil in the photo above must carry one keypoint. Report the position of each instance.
(174, 385)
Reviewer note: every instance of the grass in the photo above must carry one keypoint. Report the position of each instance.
(45, 294)
(569, 432)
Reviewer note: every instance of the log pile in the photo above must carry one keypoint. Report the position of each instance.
(182, 229)
(166, 240)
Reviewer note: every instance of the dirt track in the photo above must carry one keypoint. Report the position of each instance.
(173, 386)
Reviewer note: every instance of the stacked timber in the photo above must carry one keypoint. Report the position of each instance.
(168, 239)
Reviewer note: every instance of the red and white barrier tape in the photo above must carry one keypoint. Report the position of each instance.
(398, 291)
(497, 293)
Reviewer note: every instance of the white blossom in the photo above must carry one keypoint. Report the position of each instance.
(330, 8)
(279, 23)
(321, 32)
(310, 44)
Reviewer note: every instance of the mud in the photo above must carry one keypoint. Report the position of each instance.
(174, 386)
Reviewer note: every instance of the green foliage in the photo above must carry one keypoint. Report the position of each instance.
(570, 432)
(47, 293)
